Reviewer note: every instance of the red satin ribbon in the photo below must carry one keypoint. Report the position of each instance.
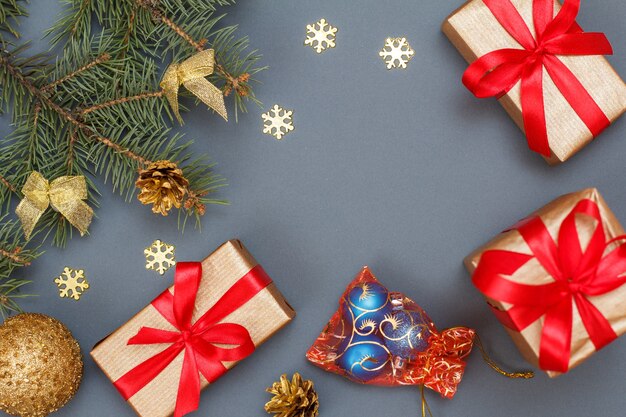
(199, 341)
(497, 72)
(578, 274)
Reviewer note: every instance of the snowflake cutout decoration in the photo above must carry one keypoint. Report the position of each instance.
(396, 53)
(72, 283)
(160, 256)
(320, 36)
(277, 122)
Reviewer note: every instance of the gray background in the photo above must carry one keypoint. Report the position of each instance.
(401, 170)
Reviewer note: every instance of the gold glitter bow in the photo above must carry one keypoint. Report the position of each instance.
(191, 73)
(64, 194)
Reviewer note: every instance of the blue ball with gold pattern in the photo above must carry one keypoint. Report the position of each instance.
(363, 354)
(405, 333)
(365, 357)
(368, 302)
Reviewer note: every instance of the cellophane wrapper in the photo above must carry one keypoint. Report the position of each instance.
(379, 337)
(474, 31)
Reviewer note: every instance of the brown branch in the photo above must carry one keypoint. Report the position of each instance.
(87, 130)
(70, 151)
(234, 83)
(8, 184)
(102, 58)
(81, 10)
(120, 101)
(131, 23)
(14, 256)
(119, 149)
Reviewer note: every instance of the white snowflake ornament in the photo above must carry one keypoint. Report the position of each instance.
(320, 36)
(160, 256)
(72, 283)
(277, 122)
(396, 53)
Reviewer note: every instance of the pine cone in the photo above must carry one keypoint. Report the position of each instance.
(293, 399)
(163, 185)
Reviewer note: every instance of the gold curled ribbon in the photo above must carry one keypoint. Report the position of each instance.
(64, 194)
(191, 73)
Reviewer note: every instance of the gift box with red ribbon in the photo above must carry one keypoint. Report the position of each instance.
(216, 314)
(556, 280)
(549, 75)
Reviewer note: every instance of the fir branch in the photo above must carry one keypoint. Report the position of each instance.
(10, 12)
(177, 27)
(99, 60)
(13, 256)
(75, 123)
(7, 184)
(42, 97)
(157, 14)
(121, 100)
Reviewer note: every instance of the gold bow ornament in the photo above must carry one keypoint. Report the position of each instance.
(64, 194)
(191, 73)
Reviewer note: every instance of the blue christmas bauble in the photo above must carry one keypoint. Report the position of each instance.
(367, 305)
(367, 297)
(406, 333)
(365, 358)
(344, 331)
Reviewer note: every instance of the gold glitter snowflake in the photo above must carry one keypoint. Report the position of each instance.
(277, 122)
(72, 283)
(320, 36)
(396, 53)
(159, 256)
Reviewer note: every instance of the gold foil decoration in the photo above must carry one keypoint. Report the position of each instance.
(160, 256)
(320, 36)
(191, 73)
(396, 53)
(277, 121)
(64, 194)
(72, 283)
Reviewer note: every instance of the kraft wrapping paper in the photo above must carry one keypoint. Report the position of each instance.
(263, 315)
(612, 305)
(474, 31)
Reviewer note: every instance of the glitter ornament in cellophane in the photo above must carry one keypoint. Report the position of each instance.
(380, 337)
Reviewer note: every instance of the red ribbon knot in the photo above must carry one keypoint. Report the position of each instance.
(578, 274)
(497, 72)
(203, 342)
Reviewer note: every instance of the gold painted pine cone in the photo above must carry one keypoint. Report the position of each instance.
(295, 398)
(163, 185)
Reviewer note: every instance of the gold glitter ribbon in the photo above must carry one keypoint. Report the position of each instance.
(64, 194)
(191, 73)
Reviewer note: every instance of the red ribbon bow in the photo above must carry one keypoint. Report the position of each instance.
(578, 274)
(497, 72)
(199, 341)
(444, 362)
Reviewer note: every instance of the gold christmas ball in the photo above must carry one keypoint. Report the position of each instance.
(41, 366)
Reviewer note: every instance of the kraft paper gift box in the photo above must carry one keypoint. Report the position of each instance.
(262, 316)
(610, 304)
(474, 31)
